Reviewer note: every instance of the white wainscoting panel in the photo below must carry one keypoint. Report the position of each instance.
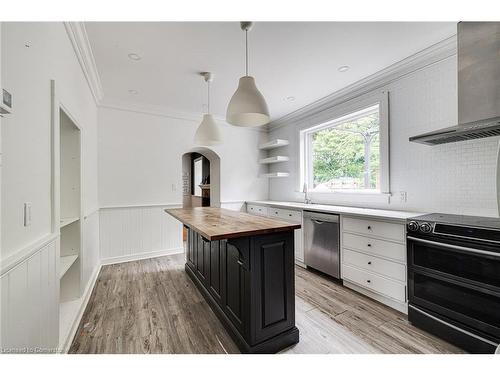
(30, 303)
(90, 253)
(128, 233)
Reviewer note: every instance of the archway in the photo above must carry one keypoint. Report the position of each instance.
(188, 185)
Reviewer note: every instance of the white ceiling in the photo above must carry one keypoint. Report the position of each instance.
(287, 59)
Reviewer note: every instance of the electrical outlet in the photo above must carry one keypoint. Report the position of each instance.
(27, 214)
(403, 196)
(174, 188)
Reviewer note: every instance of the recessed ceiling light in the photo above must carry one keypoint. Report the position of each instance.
(343, 68)
(133, 92)
(134, 56)
(290, 98)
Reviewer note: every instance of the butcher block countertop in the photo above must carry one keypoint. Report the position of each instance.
(218, 223)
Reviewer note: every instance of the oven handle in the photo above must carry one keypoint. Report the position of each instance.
(455, 247)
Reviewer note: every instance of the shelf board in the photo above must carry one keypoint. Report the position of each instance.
(276, 174)
(67, 221)
(274, 144)
(274, 159)
(66, 262)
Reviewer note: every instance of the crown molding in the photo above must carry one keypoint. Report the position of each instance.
(160, 111)
(81, 45)
(428, 56)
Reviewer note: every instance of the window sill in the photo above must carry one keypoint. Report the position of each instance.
(350, 197)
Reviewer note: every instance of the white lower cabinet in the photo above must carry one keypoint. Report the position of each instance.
(294, 216)
(373, 253)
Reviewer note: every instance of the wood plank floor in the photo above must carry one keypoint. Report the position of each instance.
(151, 306)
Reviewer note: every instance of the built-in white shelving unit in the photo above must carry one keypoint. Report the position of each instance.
(66, 263)
(67, 221)
(274, 159)
(70, 223)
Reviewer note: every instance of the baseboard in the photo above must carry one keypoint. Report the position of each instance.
(138, 256)
(85, 300)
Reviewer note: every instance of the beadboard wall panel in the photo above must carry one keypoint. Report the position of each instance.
(90, 253)
(30, 303)
(128, 233)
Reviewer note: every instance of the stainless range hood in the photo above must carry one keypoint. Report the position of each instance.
(478, 86)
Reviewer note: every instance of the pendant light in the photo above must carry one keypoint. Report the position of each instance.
(247, 106)
(208, 133)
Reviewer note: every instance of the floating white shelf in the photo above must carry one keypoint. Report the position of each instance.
(274, 144)
(66, 262)
(274, 159)
(276, 174)
(68, 220)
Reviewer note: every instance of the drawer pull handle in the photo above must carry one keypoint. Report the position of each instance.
(240, 263)
(369, 227)
(368, 281)
(369, 245)
(369, 262)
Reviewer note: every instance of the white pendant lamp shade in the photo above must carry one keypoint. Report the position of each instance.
(247, 106)
(208, 133)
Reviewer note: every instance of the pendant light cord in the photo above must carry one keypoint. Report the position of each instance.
(208, 104)
(246, 52)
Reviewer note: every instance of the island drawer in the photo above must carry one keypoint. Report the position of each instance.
(374, 264)
(257, 210)
(368, 227)
(376, 283)
(289, 215)
(374, 246)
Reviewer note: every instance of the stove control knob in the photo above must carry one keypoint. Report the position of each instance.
(425, 228)
(413, 226)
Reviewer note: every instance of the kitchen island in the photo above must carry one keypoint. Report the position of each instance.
(244, 267)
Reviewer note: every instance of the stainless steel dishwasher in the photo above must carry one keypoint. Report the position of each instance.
(321, 242)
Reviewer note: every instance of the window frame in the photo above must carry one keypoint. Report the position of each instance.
(338, 114)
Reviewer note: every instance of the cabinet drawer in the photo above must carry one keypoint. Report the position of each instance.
(257, 210)
(371, 263)
(390, 231)
(383, 248)
(375, 283)
(289, 215)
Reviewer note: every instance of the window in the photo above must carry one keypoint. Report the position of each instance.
(348, 153)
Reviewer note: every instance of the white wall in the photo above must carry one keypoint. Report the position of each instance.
(452, 178)
(32, 55)
(27, 72)
(140, 164)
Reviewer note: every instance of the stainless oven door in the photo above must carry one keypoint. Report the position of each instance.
(460, 283)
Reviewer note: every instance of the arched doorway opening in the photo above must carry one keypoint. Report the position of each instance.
(200, 178)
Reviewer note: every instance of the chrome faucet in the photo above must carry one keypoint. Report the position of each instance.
(307, 200)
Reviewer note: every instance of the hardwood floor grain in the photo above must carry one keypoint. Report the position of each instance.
(152, 306)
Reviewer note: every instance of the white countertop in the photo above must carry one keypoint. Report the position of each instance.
(388, 214)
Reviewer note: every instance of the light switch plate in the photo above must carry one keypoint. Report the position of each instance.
(403, 196)
(27, 214)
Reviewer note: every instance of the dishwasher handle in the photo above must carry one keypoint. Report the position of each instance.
(320, 217)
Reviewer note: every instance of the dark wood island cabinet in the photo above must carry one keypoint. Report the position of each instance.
(244, 267)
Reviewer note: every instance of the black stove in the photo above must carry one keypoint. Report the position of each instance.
(475, 228)
(454, 278)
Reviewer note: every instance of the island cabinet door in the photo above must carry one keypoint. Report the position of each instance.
(273, 297)
(216, 259)
(191, 250)
(235, 282)
(202, 258)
